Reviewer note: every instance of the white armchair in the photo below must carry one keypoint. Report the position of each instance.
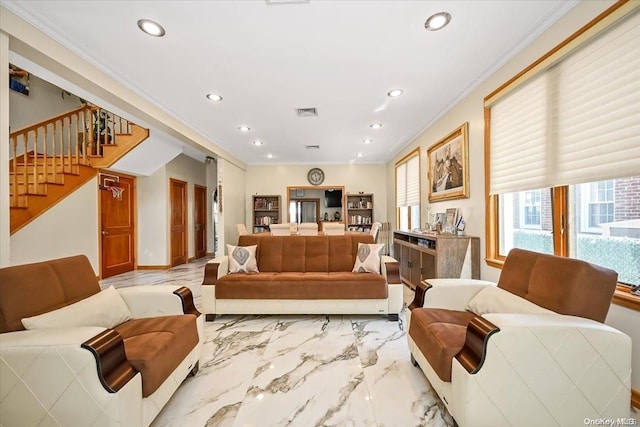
(280, 229)
(77, 373)
(541, 358)
(333, 228)
(308, 229)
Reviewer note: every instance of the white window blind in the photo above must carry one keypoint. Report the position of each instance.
(401, 185)
(578, 121)
(413, 181)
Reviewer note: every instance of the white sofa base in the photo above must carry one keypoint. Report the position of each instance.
(390, 305)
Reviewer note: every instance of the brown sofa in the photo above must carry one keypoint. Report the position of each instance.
(302, 275)
(536, 340)
(70, 369)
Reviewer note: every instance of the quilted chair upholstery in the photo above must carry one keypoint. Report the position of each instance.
(532, 351)
(308, 229)
(280, 229)
(84, 375)
(333, 228)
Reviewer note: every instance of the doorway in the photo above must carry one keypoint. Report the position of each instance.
(178, 221)
(117, 223)
(200, 220)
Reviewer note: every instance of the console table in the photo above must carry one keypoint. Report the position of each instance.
(426, 255)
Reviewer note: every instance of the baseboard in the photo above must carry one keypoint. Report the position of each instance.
(209, 254)
(635, 398)
(154, 267)
(192, 259)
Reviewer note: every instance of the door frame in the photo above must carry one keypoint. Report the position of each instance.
(134, 206)
(185, 212)
(204, 190)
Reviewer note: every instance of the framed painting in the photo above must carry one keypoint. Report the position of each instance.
(449, 166)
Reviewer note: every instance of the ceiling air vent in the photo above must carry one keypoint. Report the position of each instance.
(274, 2)
(312, 147)
(307, 112)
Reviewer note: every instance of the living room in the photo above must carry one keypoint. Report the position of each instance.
(240, 180)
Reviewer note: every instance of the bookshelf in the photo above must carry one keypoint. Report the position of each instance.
(266, 211)
(359, 212)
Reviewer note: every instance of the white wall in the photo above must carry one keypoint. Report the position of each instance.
(68, 228)
(5, 240)
(234, 196)
(43, 102)
(153, 219)
(191, 171)
(470, 109)
(274, 180)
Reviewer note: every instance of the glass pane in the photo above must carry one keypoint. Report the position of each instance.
(403, 218)
(526, 221)
(605, 225)
(415, 216)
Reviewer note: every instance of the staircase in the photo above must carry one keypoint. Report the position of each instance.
(53, 158)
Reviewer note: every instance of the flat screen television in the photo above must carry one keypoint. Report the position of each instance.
(332, 198)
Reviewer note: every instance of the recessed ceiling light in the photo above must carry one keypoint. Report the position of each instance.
(367, 141)
(376, 126)
(214, 97)
(360, 155)
(258, 143)
(150, 27)
(269, 156)
(244, 128)
(438, 21)
(395, 92)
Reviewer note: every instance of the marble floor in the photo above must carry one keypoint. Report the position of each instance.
(315, 370)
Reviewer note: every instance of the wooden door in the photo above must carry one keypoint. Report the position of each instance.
(178, 221)
(200, 220)
(117, 225)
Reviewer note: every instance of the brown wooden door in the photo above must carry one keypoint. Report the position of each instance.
(200, 220)
(178, 200)
(117, 226)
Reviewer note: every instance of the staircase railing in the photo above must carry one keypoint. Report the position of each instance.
(45, 150)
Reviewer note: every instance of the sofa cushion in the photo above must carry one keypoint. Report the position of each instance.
(155, 346)
(298, 285)
(106, 309)
(368, 258)
(495, 300)
(242, 259)
(440, 335)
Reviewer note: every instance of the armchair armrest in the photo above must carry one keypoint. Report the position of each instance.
(452, 294)
(390, 269)
(215, 269)
(158, 300)
(49, 371)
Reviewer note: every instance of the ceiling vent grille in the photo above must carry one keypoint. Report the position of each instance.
(275, 2)
(307, 112)
(312, 147)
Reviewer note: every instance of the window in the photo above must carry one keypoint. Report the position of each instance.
(606, 215)
(408, 191)
(531, 209)
(563, 150)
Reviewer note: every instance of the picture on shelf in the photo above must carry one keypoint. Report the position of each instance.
(449, 166)
(439, 219)
(451, 217)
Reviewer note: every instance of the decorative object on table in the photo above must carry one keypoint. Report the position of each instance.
(460, 226)
(336, 216)
(449, 166)
(450, 219)
(315, 176)
(326, 216)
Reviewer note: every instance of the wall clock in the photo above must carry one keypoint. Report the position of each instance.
(315, 176)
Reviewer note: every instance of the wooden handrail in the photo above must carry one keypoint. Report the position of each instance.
(50, 120)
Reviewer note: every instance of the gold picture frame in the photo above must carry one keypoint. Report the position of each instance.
(449, 166)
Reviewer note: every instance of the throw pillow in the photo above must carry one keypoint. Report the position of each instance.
(368, 258)
(242, 259)
(492, 299)
(106, 309)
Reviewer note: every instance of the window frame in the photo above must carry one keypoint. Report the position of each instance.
(405, 160)
(560, 194)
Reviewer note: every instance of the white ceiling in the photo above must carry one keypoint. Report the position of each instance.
(341, 57)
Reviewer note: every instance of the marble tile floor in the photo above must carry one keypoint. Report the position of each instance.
(293, 370)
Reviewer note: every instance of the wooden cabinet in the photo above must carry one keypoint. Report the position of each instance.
(359, 212)
(266, 211)
(425, 256)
